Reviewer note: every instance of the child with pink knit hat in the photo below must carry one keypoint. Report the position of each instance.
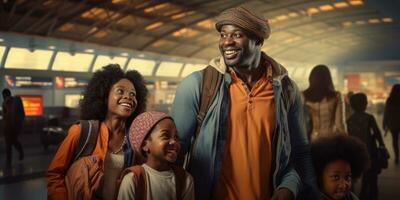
(153, 137)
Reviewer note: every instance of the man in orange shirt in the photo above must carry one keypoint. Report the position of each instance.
(252, 142)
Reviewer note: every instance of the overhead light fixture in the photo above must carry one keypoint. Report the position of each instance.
(347, 24)
(293, 14)
(374, 21)
(141, 55)
(89, 50)
(52, 47)
(356, 2)
(387, 19)
(312, 11)
(282, 17)
(124, 54)
(326, 7)
(153, 26)
(360, 22)
(341, 4)
(1, 40)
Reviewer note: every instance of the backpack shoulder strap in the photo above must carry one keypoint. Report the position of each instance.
(140, 182)
(180, 181)
(210, 84)
(87, 138)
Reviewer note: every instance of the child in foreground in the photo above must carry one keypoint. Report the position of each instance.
(153, 138)
(337, 160)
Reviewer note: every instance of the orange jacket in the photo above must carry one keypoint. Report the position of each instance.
(59, 165)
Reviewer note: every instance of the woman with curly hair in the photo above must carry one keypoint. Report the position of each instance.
(338, 160)
(324, 105)
(114, 98)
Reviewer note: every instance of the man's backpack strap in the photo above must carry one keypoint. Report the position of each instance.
(210, 84)
(87, 138)
(180, 181)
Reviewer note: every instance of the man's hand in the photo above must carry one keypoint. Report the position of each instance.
(283, 194)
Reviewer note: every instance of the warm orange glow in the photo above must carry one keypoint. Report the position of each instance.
(356, 2)
(347, 24)
(95, 12)
(387, 19)
(282, 17)
(208, 23)
(92, 30)
(156, 7)
(66, 27)
(312, 11)
(326, 7)
(185, 32)
(180, 15)
(341, 5)
(154, 26)
(101, 34)
(293, 14)
(159, 43)
(374, 21)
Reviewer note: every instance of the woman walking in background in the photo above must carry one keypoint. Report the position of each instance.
(391, 119)
(324, 105)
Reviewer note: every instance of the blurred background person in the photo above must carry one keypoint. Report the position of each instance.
(391, 118)
(324, 105)
(363, 126)
(14, 116)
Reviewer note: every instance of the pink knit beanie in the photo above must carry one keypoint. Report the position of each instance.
(140, 128)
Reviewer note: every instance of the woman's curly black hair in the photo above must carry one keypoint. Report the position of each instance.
(339, 147)
(95, 97)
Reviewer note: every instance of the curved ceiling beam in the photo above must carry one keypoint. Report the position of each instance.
(164, 20)
(299, 23)
(210, 15)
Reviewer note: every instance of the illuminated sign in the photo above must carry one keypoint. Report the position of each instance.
(33, 105)
(28, 82)
(59, 81)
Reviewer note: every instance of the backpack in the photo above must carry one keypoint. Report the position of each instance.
(210, 84)
(89, 130)
(140, 181)
(84, 175)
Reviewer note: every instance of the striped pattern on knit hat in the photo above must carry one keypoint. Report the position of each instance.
(246, 18)
(140, 128)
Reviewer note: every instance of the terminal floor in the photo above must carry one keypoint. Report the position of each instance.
(25, 180)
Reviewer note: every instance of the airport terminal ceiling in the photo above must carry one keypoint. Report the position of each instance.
(326, 31)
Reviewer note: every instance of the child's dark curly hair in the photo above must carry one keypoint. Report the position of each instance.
(359, 102)
(339, 147)
(95, 97)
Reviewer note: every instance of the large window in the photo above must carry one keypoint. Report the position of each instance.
(169, 69)
(2, 50)
(102, 61)
(189, 68)
(21, 58)
(145, 67)
(79, 62)
(72, 100)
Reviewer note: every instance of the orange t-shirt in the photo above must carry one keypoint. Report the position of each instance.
(246, 166)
